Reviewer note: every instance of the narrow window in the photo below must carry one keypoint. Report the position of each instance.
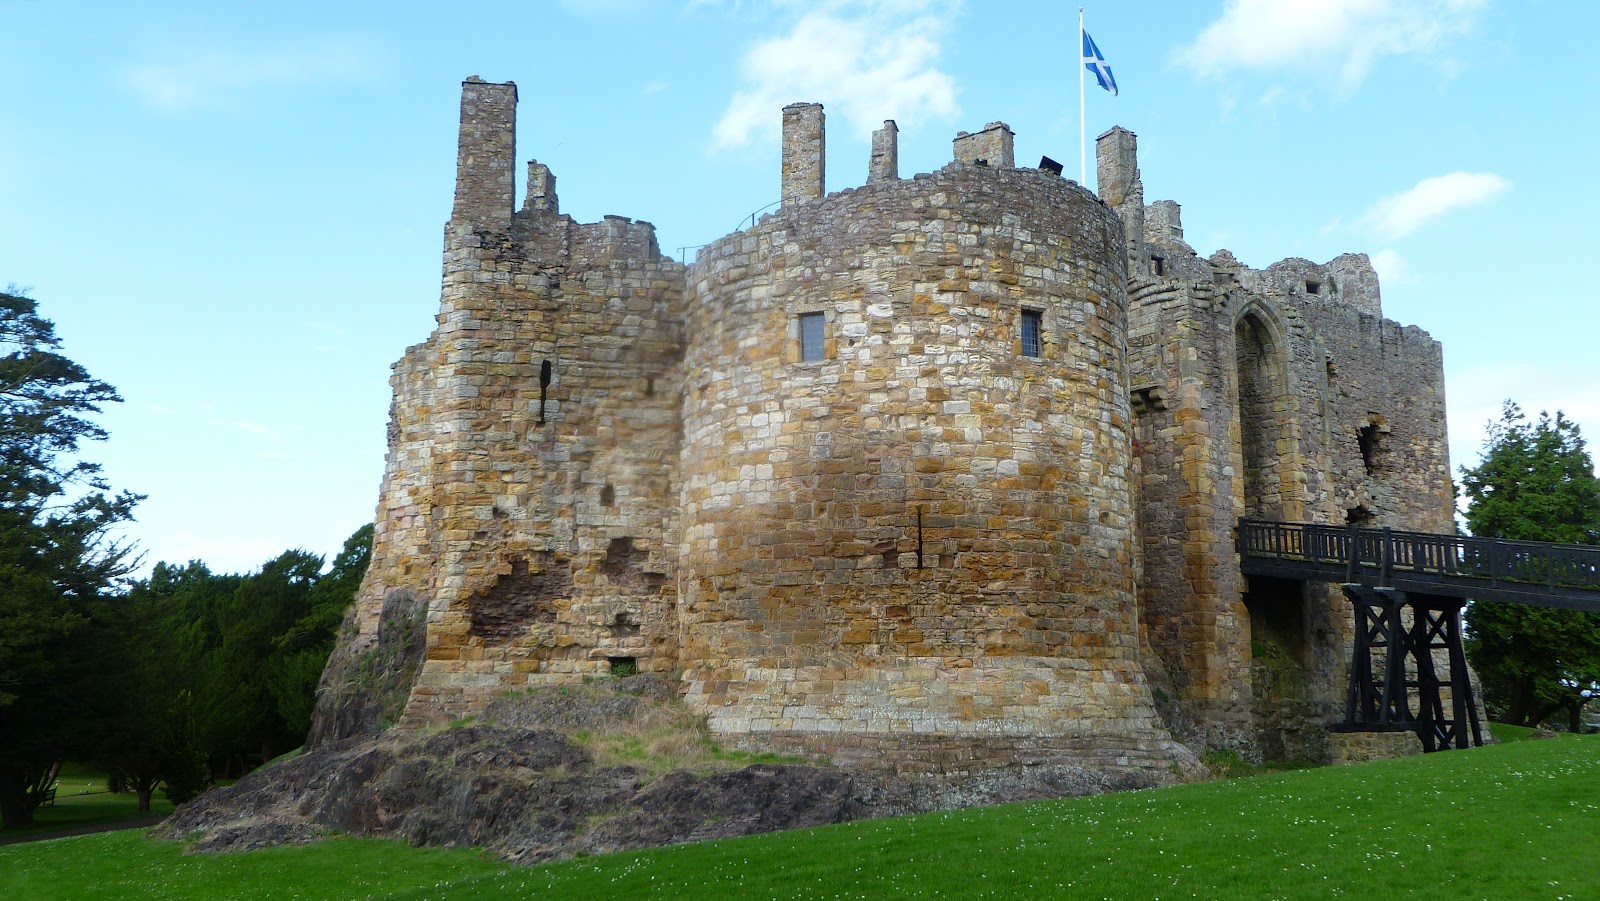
(811, 336)
(1157, 266)
(545, 371)
(919, 538)
(1032, 326)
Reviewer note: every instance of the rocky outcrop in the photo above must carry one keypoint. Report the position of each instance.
(366, 683)
(538, 778)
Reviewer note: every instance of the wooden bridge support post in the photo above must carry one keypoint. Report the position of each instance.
(1386, 706)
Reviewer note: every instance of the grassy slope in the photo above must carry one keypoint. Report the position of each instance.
(1516, 821)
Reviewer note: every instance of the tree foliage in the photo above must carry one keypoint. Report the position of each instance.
(244, 651)
(58, 560)
(1536, 482)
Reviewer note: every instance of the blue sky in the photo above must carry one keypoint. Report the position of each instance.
(234, 213)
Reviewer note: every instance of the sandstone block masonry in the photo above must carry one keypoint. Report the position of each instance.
(937, 473)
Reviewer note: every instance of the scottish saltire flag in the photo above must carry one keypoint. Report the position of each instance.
(1094, 62)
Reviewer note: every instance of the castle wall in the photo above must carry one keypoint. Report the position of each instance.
(1180, 349)
(1279, 394)
(938, 473)
(927, 531)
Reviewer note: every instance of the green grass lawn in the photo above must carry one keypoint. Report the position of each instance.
(1521, 820)
(82, 800)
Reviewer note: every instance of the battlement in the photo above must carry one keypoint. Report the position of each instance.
(485, 194)
(804, 149)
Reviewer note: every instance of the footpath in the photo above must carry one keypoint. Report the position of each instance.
(144, 822)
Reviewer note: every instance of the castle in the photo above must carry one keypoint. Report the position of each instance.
(935, 473)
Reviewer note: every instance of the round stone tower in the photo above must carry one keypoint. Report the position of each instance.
(907, 522)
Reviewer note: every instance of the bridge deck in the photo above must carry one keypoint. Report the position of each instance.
(1485, 569)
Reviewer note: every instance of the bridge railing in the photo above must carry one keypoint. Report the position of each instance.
(1384, 555)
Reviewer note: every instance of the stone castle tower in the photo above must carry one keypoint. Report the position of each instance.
(936, 473)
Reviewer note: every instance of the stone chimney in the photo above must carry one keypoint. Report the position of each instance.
(1357, 282)
(804, 152)
(1164, 220)
(995, 147)
(885, 162)
(485, 155)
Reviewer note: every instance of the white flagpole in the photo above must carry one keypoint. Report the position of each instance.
(1083, 134)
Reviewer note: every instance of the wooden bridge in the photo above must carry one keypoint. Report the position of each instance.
(1408, 589)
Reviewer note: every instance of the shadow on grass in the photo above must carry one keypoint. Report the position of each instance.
(82, 802)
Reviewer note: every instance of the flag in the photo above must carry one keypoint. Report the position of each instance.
(1094, 62)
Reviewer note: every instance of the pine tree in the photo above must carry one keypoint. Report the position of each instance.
(1536, 482)
(57, 560)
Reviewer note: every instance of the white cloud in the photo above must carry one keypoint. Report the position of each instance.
(1431, 198)
(208, 78)
(1391, 268)
(1339, 40)
(867, 60)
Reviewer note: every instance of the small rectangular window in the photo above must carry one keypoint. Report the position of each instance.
(1032, 329)
(811, 336)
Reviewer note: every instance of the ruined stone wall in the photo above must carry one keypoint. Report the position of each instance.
(535, 514)
(556, 527)
(926, 532)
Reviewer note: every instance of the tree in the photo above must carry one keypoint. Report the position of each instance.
(266, 605)
(234, 658)
(57, 559)
(301, 653)
(1536, 482)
